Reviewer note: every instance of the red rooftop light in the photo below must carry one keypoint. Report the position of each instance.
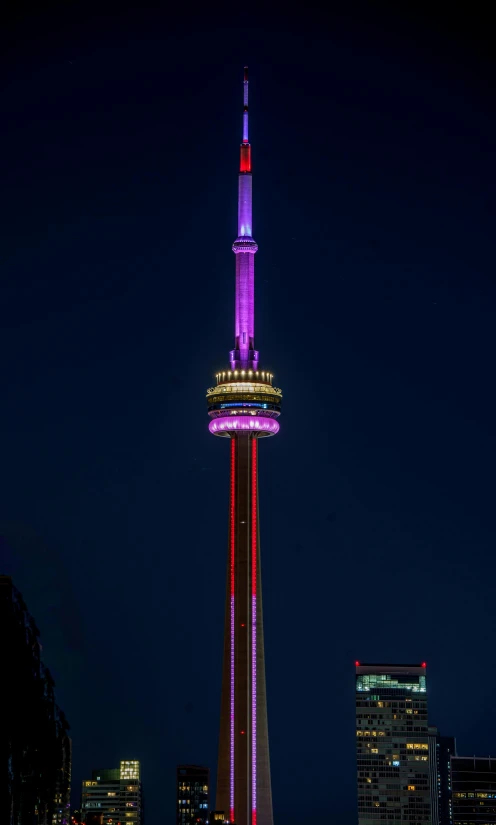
(357, 664)
(424, 664)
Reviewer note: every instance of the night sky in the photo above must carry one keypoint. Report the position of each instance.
(373, 137)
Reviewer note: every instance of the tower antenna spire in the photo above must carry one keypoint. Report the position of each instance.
(245, 106)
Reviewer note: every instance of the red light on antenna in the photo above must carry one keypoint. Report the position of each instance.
(242, 732)
(424, 664)
(245, 159)
(357, 664)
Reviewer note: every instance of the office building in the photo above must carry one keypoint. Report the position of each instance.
(434, 777)
(113, 796)
(473, 781)
(446, 750)
(244, 407)
(394, 756)
(35, 756)
(192, 794)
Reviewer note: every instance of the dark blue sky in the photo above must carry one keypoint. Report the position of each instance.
(375, 212)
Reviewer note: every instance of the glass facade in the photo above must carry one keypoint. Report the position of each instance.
(192, 789)
(395, 759)
(473, 781)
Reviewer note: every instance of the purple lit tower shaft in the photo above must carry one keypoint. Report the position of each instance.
(244, 408)
(244, 356)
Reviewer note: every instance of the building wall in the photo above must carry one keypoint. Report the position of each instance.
(473, 790)
(114, 794)
(446, 749)
(192, 794)
(392, 741)
(35, 755)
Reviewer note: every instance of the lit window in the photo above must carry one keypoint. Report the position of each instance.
(111, 793)
(374, 750)
(411, 787)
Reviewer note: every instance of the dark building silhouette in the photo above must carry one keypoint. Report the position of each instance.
(395, 759)
(113, 796)
(473, 781)
(192, 794)
(35, 749)
(434, 774)
(445, 751)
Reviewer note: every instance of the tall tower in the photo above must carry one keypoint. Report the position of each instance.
(244, 407)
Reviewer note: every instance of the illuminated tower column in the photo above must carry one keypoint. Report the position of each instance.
(244, 407)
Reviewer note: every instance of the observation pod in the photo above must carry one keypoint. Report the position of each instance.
(244, 406)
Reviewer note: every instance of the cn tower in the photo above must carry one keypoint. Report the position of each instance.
(244, 406)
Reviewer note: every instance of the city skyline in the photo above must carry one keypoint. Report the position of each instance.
(374, 211)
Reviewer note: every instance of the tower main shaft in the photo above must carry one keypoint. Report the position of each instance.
(244, 407)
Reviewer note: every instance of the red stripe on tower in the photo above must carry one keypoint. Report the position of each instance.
(232, 617)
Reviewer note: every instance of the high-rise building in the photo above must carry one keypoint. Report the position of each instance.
(473, 780)
(434, 777)
(35, 748)
(392, 741)
(192, 792)
(445, 751)
(244, 407)
(113, 796)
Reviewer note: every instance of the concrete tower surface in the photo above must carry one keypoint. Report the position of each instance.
(244, 406)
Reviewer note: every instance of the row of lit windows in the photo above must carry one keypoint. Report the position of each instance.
(397, 706)
(196, 787)
(384, 718)
(366, 681)
(244, 385)
(476, 796)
